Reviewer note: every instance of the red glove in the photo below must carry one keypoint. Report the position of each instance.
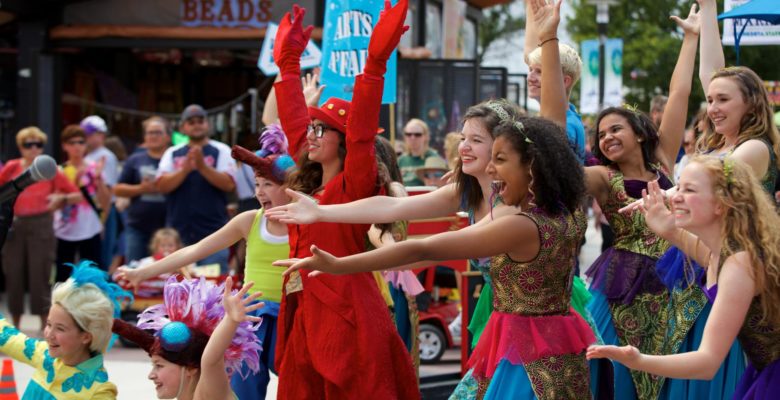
(291, 41)
(385, 37)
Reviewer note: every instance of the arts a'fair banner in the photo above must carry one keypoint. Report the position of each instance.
(346, 33)
(757, 32)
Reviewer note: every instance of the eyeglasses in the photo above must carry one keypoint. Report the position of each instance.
(154, 133)
(72, 142)
(415, 134)
(30, 145)
(318, 130)
(433, 174)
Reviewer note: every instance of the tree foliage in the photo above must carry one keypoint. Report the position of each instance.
(651, 43)
(498, 23)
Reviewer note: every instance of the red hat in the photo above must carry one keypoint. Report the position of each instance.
(334, 113)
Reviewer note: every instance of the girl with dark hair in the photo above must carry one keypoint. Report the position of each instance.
(355, 351)
(203, 334)
(531, 296)
(266, 242)
(630, 303)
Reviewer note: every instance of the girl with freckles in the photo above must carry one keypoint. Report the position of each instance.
(532, 253)
(722, 218)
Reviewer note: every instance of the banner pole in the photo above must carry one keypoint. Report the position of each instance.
(392, 124)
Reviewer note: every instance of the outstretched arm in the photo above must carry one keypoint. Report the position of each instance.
(236, 229)
(736, 289)
(531, 35)
(516, 235)
(673, 122)
(711, 56)
(214, 382)
(553, 102)
(371, 210)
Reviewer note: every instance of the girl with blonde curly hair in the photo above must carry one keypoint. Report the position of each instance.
(722, 218)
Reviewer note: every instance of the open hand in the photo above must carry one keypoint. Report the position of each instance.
(302, 210)
(320, 260)
(129, 277)
(626, 355)
(657, 216)
(312, 90)
(547, 17)
(238, 305)
(690, 25)
(291, 40)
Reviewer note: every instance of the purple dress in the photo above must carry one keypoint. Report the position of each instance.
(761, 342)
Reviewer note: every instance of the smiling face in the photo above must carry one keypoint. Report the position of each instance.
(326, 148)
(475, 147)
(196, 128)
(166, 376)
(617, 140)
(270, 194)
(725, 105)
(65, 339)
(535, 81)
(508, 170)
(695, 205)
(415, 138)
(155, 136)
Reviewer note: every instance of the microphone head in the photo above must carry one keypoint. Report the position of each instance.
(43, 168)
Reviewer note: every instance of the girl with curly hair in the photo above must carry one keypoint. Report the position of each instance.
(721, 217)
(266, 242)
(533, 254)
(68, 361)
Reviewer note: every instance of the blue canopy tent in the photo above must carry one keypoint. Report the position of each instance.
(765, 10)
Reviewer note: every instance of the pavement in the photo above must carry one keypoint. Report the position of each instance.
(128, 367)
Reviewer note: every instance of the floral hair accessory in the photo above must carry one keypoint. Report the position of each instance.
(633, 108)
(184, 322)
(497, 107)
(272, 141)
(728, 170)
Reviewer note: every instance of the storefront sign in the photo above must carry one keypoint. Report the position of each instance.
(347, 30)
(226, 13)
(757, 32)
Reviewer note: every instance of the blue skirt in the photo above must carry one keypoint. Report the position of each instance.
(256, 385)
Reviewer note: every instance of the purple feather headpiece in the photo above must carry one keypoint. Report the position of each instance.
(272, 141)
(192, 309)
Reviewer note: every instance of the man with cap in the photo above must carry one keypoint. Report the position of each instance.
(96, 130)
(196, 178)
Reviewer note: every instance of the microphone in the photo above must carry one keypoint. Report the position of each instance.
(43, 168)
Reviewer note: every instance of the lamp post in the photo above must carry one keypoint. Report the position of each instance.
(602, 20)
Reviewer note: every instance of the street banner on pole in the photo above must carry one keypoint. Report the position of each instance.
(345, 37)
(613, 73)
(756, 33)
(310, 58)
(589, 79)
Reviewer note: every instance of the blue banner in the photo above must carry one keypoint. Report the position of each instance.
(345, 37)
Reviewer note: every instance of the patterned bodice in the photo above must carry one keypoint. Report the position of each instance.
(759, 339)
(631, 231)
(768, 180)
(543, 285)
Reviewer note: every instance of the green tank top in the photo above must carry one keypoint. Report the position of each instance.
(262, 249)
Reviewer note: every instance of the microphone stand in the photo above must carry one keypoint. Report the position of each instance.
(6, 218)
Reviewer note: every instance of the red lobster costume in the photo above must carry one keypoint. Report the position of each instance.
(336, 339)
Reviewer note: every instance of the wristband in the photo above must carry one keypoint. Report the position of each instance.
(547, 40)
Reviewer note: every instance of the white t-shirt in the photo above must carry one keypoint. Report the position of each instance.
(111, 166)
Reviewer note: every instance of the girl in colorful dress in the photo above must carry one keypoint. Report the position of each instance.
(68, 362)
(203, 335)
(356, 351)
(266, 242)
(722, 218)
(533, 254)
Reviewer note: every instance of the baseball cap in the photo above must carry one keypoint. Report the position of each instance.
(93, 124)
(193, 110)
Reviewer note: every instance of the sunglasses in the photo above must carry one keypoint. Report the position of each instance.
(433, 175)
(415, 134)
(30, 145)
(318, 130)
(72, 142)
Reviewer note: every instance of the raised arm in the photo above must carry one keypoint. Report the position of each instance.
(711, 56)
(531, 35)
(235, 230)
(553, 101)
(291, 40)
(214, 382)
(674, 118)
(515, 234)
(736, 289)
(371, 210)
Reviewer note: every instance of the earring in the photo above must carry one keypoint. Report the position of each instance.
(639, 140)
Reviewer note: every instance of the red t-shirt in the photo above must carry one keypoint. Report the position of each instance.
(34, 199)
